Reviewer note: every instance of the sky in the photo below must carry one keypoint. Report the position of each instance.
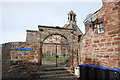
(17, 17)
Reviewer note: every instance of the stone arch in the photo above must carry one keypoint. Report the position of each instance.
(55, 34)
(52, 51)
(66, 33)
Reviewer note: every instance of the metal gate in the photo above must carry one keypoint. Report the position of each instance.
(55, 52)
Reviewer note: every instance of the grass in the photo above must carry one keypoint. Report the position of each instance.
(54, 58)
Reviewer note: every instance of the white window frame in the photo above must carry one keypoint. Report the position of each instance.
(100, 27)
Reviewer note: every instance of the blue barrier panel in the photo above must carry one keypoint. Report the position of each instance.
(94, 66)
(113, 69)
(25, 49)
(85, 65)
(102, 73)
(104, 68)
(92, 72)
(84, 71)
(114, 74)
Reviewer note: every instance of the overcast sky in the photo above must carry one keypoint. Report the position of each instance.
(17, 17)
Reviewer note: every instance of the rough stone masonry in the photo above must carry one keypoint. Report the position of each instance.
(35, 40)
(100, 45)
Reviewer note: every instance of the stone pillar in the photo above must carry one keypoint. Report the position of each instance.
(76, 64)
(71, 58)
(40, 55)
(40, 46)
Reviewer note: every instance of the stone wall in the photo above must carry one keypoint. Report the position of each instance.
(25, 56)
(10, 54)
(5, 58)
(33, 37)
(103, 48)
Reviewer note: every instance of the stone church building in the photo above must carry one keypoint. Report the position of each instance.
(100, 45)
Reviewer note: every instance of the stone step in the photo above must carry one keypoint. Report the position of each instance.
(53, 69)
(56, 73)
(58, 79)
(52, 72)
(50, 75)
(57, 76)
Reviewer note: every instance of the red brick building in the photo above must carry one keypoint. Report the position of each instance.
(100, 45)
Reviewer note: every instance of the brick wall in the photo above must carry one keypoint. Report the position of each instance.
(119, 29)
(103, 48)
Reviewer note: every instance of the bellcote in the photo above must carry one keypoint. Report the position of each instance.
(71, 17)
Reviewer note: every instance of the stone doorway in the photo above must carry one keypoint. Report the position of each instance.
(55, 51)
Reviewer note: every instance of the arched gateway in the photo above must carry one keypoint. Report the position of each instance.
(70, 33)
(55, 51)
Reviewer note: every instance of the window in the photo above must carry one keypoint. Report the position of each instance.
(100, 27)
(70, 17)
(73, 17)
(79, 36)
